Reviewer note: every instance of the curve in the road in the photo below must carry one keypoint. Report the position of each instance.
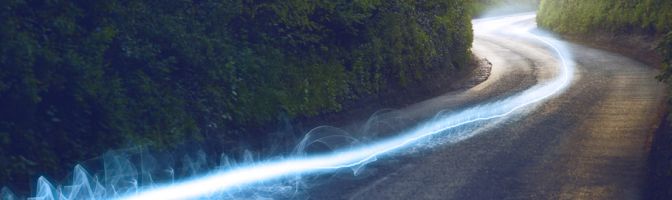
(204, 186)
(208, 185)
(591, 142)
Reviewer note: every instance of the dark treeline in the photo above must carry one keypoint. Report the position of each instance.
(78, 78)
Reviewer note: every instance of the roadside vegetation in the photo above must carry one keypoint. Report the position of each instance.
(482, 8)
(650, 18)
(78, 78)
(665, 48)
(620, 16)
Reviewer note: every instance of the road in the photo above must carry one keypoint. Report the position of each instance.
(589, 142)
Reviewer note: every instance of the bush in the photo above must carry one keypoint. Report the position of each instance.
(81, 77)
(484, 7)
(665, 48)
(645, 16)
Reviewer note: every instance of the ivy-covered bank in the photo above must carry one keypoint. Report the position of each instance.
(78, 78)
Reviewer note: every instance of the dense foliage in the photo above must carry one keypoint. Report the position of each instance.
(665, 48)
(499, 7)
(581, 16)
(645, 17)
(80, 77)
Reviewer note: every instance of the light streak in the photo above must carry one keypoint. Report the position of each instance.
(220, 181)
(225, 180)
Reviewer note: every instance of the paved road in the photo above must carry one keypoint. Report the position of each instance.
(590, 142)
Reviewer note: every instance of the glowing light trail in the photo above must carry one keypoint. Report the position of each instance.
(204, 187)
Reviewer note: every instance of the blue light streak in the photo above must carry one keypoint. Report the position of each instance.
(217, 182)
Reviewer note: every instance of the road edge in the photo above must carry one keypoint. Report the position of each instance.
(642, 48)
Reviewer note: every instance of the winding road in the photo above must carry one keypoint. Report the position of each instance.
(589, 142)
(554, 120)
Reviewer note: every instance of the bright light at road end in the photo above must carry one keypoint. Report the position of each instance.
(216, 184)
(204, 187)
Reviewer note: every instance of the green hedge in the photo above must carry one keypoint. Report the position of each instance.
(581, 16)
(481, 7)
(81, 77)
(647, 17)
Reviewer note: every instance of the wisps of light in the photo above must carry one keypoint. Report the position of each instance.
(217, 182)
